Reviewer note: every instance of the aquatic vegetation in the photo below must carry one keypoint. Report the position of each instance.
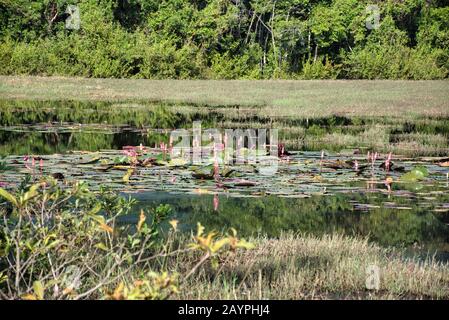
(416, 174)
(302, 174)
(365, 186)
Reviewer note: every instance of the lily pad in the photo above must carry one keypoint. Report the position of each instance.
(417, 174)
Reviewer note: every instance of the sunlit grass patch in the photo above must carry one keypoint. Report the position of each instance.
(328, 267)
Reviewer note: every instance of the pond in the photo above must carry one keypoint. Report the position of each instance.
(331, 178)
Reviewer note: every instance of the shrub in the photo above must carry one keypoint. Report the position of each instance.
(234, 66)
(219, 40)
(163, 60)
(64, 242)
(394, 62)
(319, 69)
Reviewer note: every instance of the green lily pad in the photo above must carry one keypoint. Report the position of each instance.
(91, 160)
(178, 162)
(418, 173)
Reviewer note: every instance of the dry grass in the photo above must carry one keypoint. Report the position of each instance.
(375, 137)
(275, 98)
(331, 267)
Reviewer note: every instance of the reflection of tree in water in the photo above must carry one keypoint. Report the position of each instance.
(316, 215)
(91, 141)
(126, 138)
(44, 112)
(21, 143)
(53, 138)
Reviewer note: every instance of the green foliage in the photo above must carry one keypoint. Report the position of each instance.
(395, 62)
(65, 242)
(319, 70)
(227, 66)
(418, 173)
(255, 39)
(163, 60)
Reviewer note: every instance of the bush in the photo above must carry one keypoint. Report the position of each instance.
(163, 60)
(64, 242)
(320, 69)
(234, 66)
(33, 58)
(394, 62)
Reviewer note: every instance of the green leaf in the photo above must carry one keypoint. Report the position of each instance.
(95, 209)
(128, 175)
(418, 173)
(101, 246)
(53, 244)
(31, 193)
(38, 289)
(9, 197)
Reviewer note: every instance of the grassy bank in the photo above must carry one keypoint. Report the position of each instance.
(329, 267)
(305, 99)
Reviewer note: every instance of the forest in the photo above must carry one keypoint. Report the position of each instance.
(226, 39)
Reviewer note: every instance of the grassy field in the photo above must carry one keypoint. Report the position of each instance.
(277, 98)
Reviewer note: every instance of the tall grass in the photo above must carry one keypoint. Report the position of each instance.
(328, 267)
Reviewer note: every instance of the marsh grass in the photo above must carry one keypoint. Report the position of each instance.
(399, 138)
(286, 98)
(328, 267)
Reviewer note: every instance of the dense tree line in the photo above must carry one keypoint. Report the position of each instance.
(230, 39)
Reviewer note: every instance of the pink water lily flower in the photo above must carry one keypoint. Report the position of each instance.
(216, 171)
(216, 202)
(130, 151)
(27, 165)
(388, 162)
